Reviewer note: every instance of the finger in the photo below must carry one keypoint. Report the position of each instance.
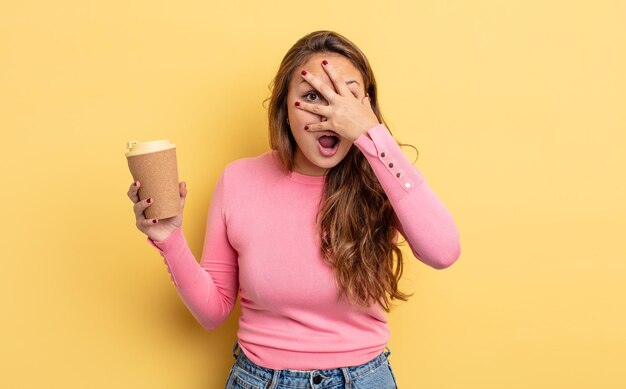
(367, 101)
(141, 205)
(337, 79)
(319, 126)
(143, 222)
(132, 191)
(319, 86)
(318, 109)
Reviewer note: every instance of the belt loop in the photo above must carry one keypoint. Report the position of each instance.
(275, 379)
(235, 347)
(346, 376)
(388, 352)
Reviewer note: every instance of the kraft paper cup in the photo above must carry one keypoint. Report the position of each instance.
(153, 164)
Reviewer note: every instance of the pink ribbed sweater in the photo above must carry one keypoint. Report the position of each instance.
(261, 242)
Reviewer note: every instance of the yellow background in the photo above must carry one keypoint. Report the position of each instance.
(517, 109)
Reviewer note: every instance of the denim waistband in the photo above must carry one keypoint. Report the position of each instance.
(305, 378)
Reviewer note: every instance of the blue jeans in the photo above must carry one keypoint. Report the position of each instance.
(375, 374)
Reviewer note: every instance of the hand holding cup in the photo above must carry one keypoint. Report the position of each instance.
(155, 229)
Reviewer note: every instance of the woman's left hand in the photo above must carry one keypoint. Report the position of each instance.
(346, 115)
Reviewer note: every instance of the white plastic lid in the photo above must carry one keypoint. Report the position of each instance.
(138, 148)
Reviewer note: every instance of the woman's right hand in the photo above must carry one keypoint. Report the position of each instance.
(157, 230)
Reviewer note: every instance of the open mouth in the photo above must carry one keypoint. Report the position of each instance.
(328, 144)
(328, 141)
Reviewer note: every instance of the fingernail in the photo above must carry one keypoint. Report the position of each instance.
(297, 103)
(149, 201)
(324, 62)
(154, 220)
(304, 72)
(306, 127)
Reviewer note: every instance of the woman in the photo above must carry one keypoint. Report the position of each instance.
(307, 232)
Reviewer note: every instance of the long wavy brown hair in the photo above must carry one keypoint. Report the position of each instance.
(355, 220)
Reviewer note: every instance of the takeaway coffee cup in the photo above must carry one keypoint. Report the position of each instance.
(153, 164)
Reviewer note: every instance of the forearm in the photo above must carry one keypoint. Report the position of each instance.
(194, 285)
(421, 217)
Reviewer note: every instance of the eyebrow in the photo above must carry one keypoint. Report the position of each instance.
(347, 82)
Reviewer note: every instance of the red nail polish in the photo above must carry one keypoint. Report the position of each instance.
(297, 103)
(324, 62)
(306, 127)
(304, 72)
(153, 220)
(149, 201)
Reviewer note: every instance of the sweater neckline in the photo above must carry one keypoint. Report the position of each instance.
(295, 176)
(305, 179)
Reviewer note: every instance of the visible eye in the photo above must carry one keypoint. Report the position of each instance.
(312, 97)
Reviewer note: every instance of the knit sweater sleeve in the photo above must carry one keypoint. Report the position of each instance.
(209, 288)
(420, 216)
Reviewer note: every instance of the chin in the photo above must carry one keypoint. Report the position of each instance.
(328, 163)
